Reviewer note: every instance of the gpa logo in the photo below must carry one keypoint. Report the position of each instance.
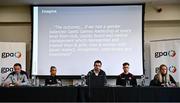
(6, 69)
(156, 69)
(170, 53)
(172, 69)
(6, 55)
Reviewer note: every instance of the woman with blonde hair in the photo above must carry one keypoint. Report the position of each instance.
(163, 78)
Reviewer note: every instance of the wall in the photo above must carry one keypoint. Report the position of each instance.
(15, 26)
(159, 26)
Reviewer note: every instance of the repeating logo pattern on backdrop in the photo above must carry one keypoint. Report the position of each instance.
(6, 69)
(170, 53)
(171, 69)
(9, 55)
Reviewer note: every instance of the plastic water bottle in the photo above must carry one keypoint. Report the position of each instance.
(83, 80)
(1, 80)
(142, 80)
(59, 83)
(33, 81)
(127, 83)
(37, 82)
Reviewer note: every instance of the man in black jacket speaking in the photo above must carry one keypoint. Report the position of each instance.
(96, 77)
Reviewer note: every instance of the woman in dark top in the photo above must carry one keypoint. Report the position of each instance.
(163, 78)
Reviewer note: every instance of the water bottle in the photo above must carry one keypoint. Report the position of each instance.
(127, 83)
(33, 81)
(142, 80)
(59, 82)
(37, 82)
(1, 80)
(83, 80)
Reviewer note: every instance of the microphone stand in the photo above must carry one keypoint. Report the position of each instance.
(89, 84)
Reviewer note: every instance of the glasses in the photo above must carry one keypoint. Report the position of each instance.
(97, 65)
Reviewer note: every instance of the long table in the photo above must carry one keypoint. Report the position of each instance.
(83, 94)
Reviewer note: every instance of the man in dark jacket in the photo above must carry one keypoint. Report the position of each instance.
(53, 80)
(126, 78)
(96, 75)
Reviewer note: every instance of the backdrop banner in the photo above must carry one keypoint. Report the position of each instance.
(166, 52)
(11, 53)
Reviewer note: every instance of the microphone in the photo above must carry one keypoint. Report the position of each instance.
(90, 72)
(88, 77)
